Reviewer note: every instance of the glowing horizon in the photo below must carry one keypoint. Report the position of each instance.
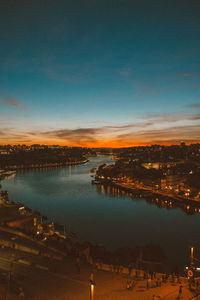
(101, 145)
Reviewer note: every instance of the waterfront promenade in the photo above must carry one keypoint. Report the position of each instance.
(49, 274)
(44, 278)
(133, 187)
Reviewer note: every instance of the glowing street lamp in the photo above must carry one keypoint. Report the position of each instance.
(92, 284)
(192, 255)
(92, 290)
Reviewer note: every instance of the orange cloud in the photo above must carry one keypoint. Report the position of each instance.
(12, 103)
(159, 129)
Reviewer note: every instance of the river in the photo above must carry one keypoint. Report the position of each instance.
(66, 195)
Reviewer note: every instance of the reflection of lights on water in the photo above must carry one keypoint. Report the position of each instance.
(11, 176)
(169, 204)
(102, 189)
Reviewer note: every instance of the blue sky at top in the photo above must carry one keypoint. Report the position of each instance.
(66, 65)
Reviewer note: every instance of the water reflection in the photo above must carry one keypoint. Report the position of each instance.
(160, 201)
(10, 176)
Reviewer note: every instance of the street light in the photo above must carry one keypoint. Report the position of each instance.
(92, 284)
(192, 255)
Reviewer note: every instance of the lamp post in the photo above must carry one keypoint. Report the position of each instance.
(191, 271)
(191, 255)
(92, 284)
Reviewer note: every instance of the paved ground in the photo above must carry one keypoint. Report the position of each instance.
(48, 279)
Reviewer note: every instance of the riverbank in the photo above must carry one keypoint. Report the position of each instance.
(39, 261)
(146, 191)
(65, 195)
(43, 165)
(15, 218)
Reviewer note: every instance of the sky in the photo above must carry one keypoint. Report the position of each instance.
(99, 73)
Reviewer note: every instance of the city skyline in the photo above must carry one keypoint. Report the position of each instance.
(99, 73)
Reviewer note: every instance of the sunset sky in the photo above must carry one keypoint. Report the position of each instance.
(99, 72)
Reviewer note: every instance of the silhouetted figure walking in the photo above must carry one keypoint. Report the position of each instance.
(78, 266)
(180, 292)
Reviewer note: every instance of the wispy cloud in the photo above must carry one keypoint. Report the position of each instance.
(2, 133)
(63, 133)
(173, 117)
(154, 128)
(194, 84)
(167, 135)
(189, 74)
(73, 73)
(12, 101)
(127, 134)
(78, 136)
(193, 105)
(185, 74)
(127, 126)
(166, 83)
(92, 133)
(10, 135)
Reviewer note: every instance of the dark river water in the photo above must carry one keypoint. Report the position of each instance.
(96, 214)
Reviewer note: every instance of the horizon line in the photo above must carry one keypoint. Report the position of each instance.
(106, 147)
